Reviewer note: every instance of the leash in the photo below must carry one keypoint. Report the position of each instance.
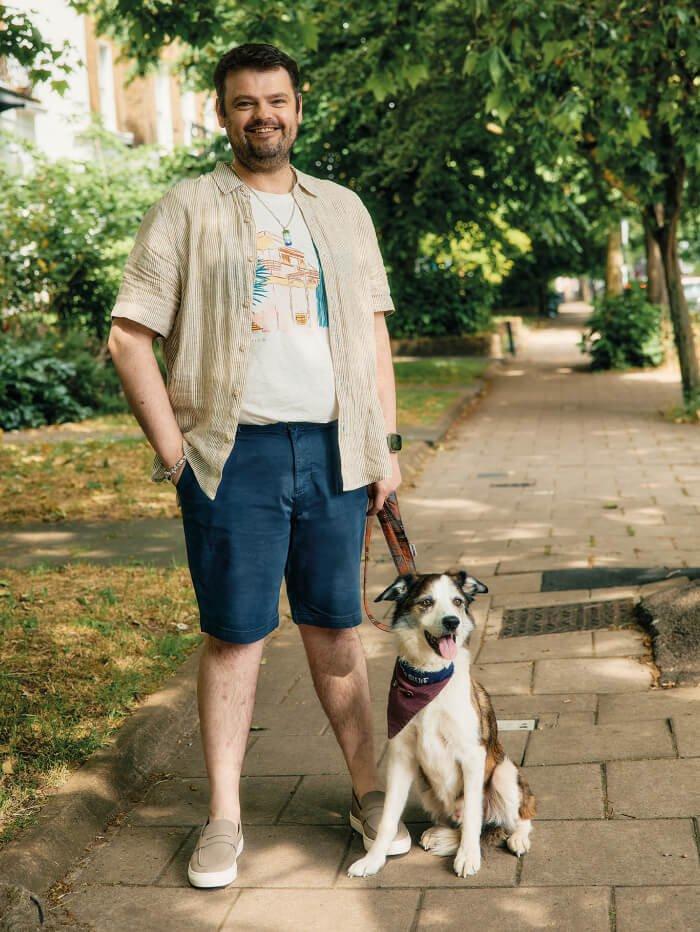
(401, 549)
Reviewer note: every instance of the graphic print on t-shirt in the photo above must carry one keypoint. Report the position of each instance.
(289, 291)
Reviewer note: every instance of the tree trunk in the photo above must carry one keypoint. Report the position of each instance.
(663, 221)
(657, 292)
(613, 262)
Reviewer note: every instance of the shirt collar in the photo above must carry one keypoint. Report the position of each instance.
(228, 180)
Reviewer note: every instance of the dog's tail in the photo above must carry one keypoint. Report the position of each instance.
(441, 840)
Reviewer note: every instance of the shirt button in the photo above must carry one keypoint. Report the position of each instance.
(241, 349)
(251, 258)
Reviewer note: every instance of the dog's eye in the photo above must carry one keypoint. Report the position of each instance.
(426, 602)
(458, 601)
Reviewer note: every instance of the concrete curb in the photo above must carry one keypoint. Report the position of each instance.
(115, 775)
(102, 786)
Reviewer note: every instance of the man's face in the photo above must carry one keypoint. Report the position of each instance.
(260, 119)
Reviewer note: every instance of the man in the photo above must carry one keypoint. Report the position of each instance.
(276, 426)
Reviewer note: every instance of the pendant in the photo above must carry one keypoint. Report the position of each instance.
(287, 237)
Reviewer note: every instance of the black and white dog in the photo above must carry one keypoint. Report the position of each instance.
(443, 731)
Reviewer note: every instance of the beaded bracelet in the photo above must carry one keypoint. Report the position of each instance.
(169, 473)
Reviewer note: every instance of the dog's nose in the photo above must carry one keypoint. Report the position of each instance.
(451, 622)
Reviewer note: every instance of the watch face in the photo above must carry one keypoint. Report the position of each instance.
(394, 442)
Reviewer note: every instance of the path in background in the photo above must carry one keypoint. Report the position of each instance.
(525, 484)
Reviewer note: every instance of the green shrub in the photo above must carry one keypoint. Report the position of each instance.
(50, 378)
(437, 302)
(68, 227)
(624, 330)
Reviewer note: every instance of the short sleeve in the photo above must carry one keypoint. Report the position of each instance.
(379, 283)
(150, 289)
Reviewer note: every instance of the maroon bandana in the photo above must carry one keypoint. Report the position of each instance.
(411, 690)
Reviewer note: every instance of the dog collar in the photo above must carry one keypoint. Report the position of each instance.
(411, 690)
(424, 677)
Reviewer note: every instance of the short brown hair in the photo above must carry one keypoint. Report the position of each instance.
(256, 55)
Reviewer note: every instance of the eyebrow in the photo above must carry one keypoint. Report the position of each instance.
(239, 97)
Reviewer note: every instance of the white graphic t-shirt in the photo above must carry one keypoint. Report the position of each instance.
(290, 374)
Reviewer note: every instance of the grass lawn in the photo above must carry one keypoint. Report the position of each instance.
(100, 476)
(80, 645)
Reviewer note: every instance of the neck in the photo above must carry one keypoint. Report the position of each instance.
(278, 181)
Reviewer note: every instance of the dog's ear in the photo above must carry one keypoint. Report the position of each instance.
(469, 584)
(398, 588)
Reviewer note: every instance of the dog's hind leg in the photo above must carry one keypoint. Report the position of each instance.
(511, 805)
(440, 840)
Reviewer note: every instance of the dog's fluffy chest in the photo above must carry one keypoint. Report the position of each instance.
(446, 732)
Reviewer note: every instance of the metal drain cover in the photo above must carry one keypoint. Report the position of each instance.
(556, 619)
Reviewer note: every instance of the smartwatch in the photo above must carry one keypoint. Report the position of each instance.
(394, 441)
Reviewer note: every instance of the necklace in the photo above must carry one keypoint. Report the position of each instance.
(286, 235)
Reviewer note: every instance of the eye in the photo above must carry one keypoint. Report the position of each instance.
(458, 601)
(426, 602)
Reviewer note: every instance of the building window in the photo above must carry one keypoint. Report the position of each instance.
(105, 86)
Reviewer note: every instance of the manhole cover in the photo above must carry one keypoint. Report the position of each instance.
(555, 619)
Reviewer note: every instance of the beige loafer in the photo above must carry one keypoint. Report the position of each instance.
(213, 861)
(364, 818)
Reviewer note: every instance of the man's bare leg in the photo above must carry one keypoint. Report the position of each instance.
(339, 672)
(226, 684)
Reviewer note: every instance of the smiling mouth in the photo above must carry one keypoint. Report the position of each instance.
(263, 131)
(446, 646)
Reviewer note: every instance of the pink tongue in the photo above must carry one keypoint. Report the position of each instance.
(448, 647)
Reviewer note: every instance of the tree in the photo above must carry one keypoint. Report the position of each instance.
(616, 82)
(387, 112)
(22, 41)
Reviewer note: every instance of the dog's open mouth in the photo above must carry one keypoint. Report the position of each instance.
(446, 646)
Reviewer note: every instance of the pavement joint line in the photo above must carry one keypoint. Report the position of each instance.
(607, 807)
(419, 909)
(674, 742)
(519, 867)
(696, 833)
(173, 856)
(343, 856)
(236, 898)
(612, 910)
(286, 805)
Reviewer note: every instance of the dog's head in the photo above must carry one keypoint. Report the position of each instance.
(431, 619)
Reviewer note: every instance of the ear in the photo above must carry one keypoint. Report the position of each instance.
(469, 584)
(398, 588)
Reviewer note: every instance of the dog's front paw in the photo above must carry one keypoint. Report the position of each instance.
(519, 841)
(467, 863)
(366, 866)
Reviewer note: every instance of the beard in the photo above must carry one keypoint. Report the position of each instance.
(263, 154)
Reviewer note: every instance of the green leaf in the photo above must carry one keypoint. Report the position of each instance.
(470, 62)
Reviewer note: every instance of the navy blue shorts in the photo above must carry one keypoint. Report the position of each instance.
(279, 511)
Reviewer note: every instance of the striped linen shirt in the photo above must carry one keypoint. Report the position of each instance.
(189, 277)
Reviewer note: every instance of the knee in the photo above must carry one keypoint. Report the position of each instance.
(218, 647)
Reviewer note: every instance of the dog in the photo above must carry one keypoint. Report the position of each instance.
(450, 744)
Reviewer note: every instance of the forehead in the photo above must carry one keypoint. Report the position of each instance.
(251, 83)
(439, 586)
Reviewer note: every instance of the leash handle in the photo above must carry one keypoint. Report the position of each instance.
(401, 549)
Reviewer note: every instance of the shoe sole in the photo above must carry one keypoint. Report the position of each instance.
(215, 878)
(396, 847)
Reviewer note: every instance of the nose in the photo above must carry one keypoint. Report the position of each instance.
(451, 622)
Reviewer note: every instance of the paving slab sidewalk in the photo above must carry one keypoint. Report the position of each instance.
(613, 760)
